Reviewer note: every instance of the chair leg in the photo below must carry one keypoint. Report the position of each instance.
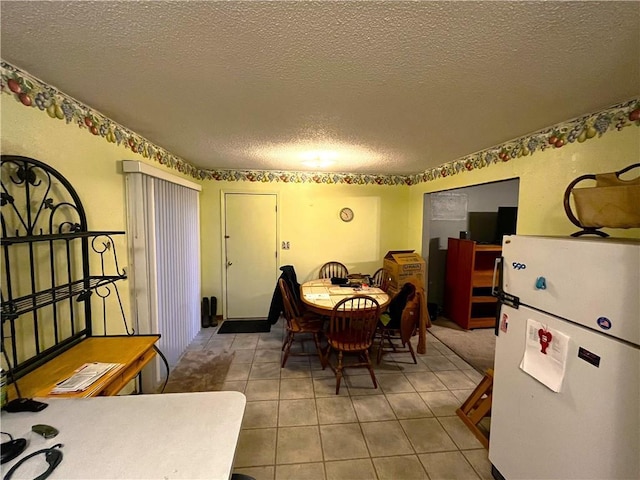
(286, 348)
(380, 347)
(413, 354)
(324, 358)
(316, 339)
(339, 373)
(373, 375)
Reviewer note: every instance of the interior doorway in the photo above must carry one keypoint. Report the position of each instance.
(250, 254)
(473, 210)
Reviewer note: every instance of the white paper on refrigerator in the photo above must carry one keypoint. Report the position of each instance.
(545, 354)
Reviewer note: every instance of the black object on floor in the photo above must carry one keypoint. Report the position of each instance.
(206, 314)
(245, 326)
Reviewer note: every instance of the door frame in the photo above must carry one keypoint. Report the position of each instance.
(223, 243)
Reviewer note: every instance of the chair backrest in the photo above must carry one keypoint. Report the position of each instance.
(378, 278)
(333, 269)
(353, 322)
(290, 310)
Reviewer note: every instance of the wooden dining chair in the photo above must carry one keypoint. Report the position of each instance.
(351, 330)
(333, 269)
(297, 323)
(378, 278)
(399, 323)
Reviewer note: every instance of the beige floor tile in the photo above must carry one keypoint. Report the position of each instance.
(463, 394)
(443, 349)
(301, 400)
(394, 383)
(427, 435)
(455, 380)
(261, 414)
(406, 467)
(272, 342)
(388, 365)
(238, 371)
(475, 376)
(306, 471)
(220, 343)
(262, 390)
(326, 387)
(234, 386)
(410, 367)
(243, 356)
(336, 409)
(460, 433)
(458, 362)
(318, 372)
(267, 356)
(425, 381)
(479, 460)
(447, 466)
(264, 371)
(442, 404)
(437, 363)
(297, 413)
(293, 369)
(403, 355)
(360, 384)
(244, 341)
(351, 470)
(296, 388)
(372, 408)
(386, 438)
(259, 473)
(298, 445)
(256, 447)
(408, 405)
(341, 442)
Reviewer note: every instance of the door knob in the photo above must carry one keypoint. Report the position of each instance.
(229, 263)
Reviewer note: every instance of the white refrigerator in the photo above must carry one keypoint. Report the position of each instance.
(566, 386)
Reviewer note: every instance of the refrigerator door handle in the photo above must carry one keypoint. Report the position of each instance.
(497, 271)
(497, 291)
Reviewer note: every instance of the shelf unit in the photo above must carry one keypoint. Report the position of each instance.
(468, 299)
(48, 256)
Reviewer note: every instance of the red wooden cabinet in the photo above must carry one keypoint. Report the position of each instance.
(468, 299)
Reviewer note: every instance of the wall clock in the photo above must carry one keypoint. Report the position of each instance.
(346, 214)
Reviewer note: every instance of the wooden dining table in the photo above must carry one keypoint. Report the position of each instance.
(320, 296)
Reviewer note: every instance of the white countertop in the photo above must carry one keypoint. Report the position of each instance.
(163, 436)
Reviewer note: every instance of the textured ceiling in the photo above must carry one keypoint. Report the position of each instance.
(390, 87)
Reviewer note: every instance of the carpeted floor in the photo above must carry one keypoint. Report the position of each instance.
(476, 347)
(206, 370)
(199, 371)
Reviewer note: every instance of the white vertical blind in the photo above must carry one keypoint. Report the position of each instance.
(165, 254)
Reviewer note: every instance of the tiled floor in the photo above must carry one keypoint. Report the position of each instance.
(296, 427)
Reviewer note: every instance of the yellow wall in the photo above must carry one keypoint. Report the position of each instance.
(308, 213)
(387, 217)
(544, 177)
(91, 165)
(308, 219)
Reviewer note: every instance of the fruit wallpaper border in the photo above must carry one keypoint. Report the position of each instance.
(34, 93)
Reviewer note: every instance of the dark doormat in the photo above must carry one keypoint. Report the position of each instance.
(245, 326)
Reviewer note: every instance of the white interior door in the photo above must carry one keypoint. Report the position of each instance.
(251, 254)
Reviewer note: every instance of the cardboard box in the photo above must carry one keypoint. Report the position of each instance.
(400, 265)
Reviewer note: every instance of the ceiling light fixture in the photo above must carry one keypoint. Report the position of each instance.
(316, 156)
(319, 158)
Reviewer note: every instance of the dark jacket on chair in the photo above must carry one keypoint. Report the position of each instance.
(277, 304)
